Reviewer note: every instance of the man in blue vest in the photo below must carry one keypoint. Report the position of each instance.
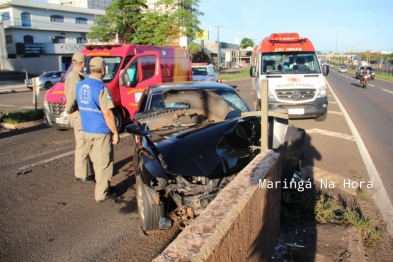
(99, 127)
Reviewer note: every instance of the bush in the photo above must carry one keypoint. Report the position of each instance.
(16, 117)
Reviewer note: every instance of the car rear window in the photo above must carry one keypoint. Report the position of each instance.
(200, 71)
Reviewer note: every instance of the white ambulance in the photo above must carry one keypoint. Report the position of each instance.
(296, 81)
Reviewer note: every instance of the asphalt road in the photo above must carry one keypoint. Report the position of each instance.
(46, 216)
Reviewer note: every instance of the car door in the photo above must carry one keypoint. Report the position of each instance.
(141, 71)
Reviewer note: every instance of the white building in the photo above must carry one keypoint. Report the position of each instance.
(92, 4)
(40, 37)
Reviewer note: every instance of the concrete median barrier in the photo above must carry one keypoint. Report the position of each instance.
(240, 224)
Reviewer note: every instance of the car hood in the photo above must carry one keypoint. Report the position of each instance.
(211, 150)
(56, 94)
(201, 102)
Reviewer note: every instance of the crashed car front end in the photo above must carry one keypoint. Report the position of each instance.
(184, 157)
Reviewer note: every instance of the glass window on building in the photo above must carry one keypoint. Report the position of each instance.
(58, 39)
(28, 39)
(81, 40)
(81, 20)
(8, 39)
(26, 19)
(57, 18)
(5, 16)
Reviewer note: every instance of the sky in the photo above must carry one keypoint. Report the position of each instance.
(333, 25)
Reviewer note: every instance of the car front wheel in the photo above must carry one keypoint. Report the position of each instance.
(48, 85)
(149, 213)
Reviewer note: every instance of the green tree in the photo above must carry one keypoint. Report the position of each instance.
(194, 50)
(122, 19)
(134, 23)
(246, 42)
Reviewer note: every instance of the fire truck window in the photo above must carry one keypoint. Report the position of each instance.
(148, 64)
(131, 74)
(112, 66)
(126, 60)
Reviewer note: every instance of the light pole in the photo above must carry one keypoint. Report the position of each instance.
(218, 47)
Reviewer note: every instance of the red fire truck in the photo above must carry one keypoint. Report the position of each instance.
(129, 70)
(296, 81)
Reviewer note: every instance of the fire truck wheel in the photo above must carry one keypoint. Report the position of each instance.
(118, 119)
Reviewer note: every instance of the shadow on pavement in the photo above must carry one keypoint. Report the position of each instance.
(9, 133)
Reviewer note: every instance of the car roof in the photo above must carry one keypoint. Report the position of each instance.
(201, 85)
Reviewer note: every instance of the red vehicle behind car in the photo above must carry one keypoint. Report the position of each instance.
(129, 70)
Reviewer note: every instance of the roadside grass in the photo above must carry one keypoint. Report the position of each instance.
(242, 73)
(16, 117)
(316, 206)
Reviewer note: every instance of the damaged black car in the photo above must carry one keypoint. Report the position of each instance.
(190, 140)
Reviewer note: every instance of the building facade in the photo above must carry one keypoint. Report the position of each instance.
(37, 37)
(92, 4)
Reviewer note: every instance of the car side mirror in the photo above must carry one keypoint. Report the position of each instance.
(252, 71)
(137, 130)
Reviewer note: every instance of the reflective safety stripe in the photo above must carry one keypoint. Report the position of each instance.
(90, 109)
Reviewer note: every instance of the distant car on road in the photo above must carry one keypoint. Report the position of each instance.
(372, 72)
(205, 73)
(46, 80)
(342, 69)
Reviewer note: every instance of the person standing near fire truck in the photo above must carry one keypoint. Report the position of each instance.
(99, 126)
(82, 162)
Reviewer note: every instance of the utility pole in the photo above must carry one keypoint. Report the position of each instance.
(218, 48)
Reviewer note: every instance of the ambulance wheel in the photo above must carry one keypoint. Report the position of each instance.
(321, 118)
(119, 119)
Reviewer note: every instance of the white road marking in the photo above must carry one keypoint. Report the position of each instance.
(335, 113)
(329, 133)
(332, 102)
(387, 91)
(379, 193)
(57, 157)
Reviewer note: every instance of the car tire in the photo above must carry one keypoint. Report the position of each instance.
(48, 85)
(321, 118)
(119, 119)
(149, 214)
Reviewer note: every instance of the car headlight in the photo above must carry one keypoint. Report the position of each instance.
(322, 91)
(46, 105)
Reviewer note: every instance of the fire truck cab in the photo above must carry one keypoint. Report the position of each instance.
(129, 70)
(296, 81)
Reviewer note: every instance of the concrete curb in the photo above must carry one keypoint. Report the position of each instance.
(7, 91)
(21, 125)
(240, 224)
